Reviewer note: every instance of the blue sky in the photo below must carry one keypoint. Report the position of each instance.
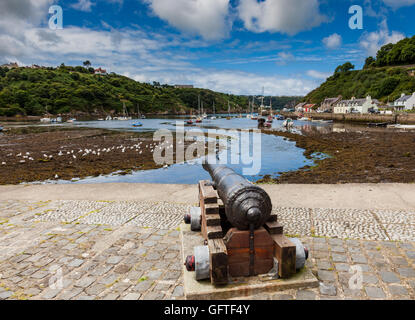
(238, 46)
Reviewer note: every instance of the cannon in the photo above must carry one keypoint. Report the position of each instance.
(242, 236)
(245, 204)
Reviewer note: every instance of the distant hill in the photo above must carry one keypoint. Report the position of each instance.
(65, 90)
(385, 77)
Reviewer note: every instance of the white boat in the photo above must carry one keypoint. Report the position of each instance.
(289, 123)
(304, 119)
(125, 116)
(402, 126)
(214, 112)
(71, 121)
(45, 120)
(108, 118)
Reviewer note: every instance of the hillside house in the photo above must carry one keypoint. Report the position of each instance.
(101, 72)
(309, 108)
(183, 86)
(405, 102)
(356, 105)
(10, 65)
(328, 104)
(300, 107)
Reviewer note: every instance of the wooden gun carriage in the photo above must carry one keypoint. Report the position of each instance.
(242, 237)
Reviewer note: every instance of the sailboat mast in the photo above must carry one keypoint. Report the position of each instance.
(198, 104)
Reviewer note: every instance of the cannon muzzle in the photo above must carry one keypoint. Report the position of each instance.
(245, 203)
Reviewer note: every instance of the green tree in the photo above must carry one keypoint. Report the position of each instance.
(370, 62)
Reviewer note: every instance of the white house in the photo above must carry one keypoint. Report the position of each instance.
(101, 72)
(356, 105)
(405, 102)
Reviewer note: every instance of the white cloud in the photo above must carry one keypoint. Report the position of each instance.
(285, 16)
(318, 75)
(83, 5)
(236, 82)
(144, 56)
(373, 41)
(333, 42)
(399, 3)
(208, 18)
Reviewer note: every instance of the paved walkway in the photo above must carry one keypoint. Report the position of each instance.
(128, 247)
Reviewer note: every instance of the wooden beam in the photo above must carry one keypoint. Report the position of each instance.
(211, 208)
(285, 252)
(218, 262)
(214, 232)
(213, 220)
(274, 228)
(207, 192)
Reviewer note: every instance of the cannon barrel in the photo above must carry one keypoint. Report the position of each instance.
(245, 203)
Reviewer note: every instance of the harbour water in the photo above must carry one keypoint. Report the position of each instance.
(277, 153)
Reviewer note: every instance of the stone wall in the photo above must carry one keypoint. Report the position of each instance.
(364, 118)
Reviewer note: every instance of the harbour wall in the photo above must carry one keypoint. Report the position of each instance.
(362, 118)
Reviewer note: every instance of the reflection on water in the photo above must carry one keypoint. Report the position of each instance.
(277, 153)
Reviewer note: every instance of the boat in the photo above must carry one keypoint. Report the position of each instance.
(279, 117)
(229, 112)
(289, 123)
(378, 125)
(261, 122)
(189, 122)
(45, 120)
(125, 116)
(402, 126)
(1, 128)
(137, 124)
(304, 119)
(268, 124)
(108, 118)
(199, 120)
(143, 117)
(71, 120)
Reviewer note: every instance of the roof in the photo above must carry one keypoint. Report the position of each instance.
(331, 101)
(358, 102)
(309, 105)
(403, 99)
(301, 105)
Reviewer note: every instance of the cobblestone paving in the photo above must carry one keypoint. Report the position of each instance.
(130, 250)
